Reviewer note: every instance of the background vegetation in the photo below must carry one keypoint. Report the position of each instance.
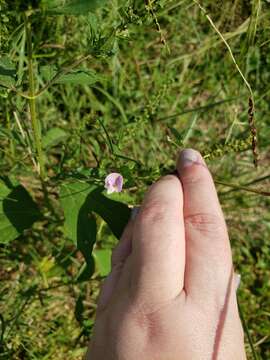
(90, 87)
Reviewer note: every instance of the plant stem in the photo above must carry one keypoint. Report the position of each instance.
(32, 102)
(240, 187)
(247, 332)
(12, 148)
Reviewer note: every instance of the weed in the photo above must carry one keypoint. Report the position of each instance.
(96, 87)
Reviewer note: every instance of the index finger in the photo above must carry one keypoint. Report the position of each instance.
(158, 244)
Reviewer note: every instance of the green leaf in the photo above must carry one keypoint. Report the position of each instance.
(53, 137)
(103, 260)
(71, 7)
(18, 212)
(79, 225)
(75, 77)
(114, 213)
(79, 200)
(79, 77)
(7, 72)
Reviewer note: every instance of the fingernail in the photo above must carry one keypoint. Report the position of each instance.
(188, 157)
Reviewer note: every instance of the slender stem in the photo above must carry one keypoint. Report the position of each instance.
(251, 109)
(107, 136)
(240, 187)
(32, 102)
(60, 73)
(246, 329)
(12, 148)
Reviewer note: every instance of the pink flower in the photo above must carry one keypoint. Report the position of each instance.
(114, 183)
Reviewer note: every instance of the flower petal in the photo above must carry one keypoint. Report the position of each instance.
(114, 183)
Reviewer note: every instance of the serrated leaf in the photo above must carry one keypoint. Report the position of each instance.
(71, 7)
(53, 137)
(18, 212)
(7, 72)
(75, 77)
(103, 260)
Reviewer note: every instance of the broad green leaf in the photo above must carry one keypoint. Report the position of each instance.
(18, 212)
(71, 7)
(75, 77)
(103, 260)
(79, 200)
(114, 213)
(122, 197)
(80, 225)
(7, 72)
(72, 199)
(53, 137)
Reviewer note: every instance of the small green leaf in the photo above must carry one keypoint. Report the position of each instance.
(53, 137)
(7, 72)
(18, 212)
(75, 77)
(103, 260)
(71, 7)
(79, 77)
(47, 72)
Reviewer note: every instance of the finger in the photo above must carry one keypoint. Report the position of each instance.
(158, 248)
(119, 256)
(123, 248)
(208, 257)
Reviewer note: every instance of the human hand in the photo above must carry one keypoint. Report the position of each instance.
(171, 292)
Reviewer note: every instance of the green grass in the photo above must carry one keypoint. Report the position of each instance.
(166, 69)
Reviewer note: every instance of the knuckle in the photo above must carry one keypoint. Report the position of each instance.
(197, 173)
(206, 223)
(153, 212)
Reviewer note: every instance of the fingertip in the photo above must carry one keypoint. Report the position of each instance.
(205, 227)
(193, 171)
(187, 158)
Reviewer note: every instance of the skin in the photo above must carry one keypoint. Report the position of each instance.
(171, 292)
